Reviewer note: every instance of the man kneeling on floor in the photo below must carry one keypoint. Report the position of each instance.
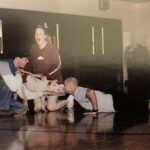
(10, 81)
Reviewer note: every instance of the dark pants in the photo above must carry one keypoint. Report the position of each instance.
(6, 101)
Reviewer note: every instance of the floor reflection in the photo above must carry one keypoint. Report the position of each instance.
(68, 130)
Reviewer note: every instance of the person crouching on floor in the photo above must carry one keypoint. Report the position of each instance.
(10, 81)
(93, 101)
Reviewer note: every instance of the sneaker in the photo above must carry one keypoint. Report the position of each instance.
(70, 102)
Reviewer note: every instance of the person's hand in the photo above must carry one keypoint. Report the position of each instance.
(19, 71)
(91, 112)
(47, 92)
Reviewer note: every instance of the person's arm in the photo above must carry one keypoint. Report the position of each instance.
(57, 68)
(56, 60)
(13, 82)
(90, 94)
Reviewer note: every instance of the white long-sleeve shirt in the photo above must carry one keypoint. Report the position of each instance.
(12, 81)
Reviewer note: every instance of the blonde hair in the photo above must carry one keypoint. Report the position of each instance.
(71, 80)
(46, 31)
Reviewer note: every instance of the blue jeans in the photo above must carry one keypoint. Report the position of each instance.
(6, 101)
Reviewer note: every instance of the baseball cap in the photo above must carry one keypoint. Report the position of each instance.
(21, 53)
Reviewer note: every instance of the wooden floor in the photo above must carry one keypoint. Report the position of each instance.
(69, 131)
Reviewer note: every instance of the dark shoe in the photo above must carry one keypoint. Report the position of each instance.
(21, 111)
(6, 113)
